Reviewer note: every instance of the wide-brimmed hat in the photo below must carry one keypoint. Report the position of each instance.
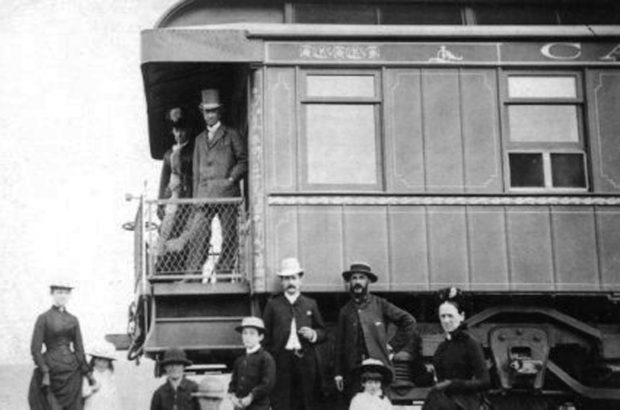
(252, 321)
(210, 99)
(175, 355)
(290, 267)
(104, 350)
(210, 387)
(61, 282)
(375, 366)
(359, 267)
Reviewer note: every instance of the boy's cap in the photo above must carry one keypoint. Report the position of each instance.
(252, 321)
(175, 355)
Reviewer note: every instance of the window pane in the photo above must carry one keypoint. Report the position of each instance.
(568, 170)
(526, 170)
(341, 85)
(543, 123)
(542, 87)
(502, 13)
(421, 14)
(335, 14)
(340, 142)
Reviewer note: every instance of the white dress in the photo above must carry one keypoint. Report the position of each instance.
(365, 401)
(106, 398)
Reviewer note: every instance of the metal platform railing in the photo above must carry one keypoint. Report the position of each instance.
(192, 240)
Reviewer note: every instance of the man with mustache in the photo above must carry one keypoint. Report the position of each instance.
(362, 330)
(293, 326)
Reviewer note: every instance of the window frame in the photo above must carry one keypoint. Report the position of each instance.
(544, 148)
(304, 100)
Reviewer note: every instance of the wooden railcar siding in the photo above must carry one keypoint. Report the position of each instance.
(604, 108)
(483, 248)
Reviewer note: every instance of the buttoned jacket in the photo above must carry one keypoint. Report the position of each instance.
(278, 315)
(375, 313)
(167, 398)
(254, 373)
(219, 164)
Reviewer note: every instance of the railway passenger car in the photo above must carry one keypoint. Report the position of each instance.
(446, 143)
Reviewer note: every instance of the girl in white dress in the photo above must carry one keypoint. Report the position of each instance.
(373, 374)
(103, 394)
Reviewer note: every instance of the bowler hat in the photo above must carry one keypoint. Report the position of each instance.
(375, 366)
(290, 267)
(210, 99)
(252, 321)
(359, 267)
(175, 355)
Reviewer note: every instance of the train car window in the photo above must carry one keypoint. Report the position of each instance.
(543, 123)
(526, 170)
(340, 128)
(341, 144)
(340, 86)
(542, 87)
(420, 14)
(543, 117)
(568, 170)
(515, 13)
(336, 14)
(601, 13)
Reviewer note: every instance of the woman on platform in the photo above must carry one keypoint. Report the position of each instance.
(56, 383)
(461, 372)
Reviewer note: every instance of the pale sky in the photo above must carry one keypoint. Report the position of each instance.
(73, 141)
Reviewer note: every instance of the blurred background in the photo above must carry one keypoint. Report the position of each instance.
(73, 141)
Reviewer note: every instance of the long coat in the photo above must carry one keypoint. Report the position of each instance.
(64, 361)
(215, 161)
(373, 315)
(186, 172)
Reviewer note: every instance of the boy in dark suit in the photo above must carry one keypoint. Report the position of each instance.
(177, 392)
(254, 373)
(294, 325)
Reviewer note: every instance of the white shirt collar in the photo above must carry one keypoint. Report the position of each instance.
(253, 350)
(214, 128)
(292, 298)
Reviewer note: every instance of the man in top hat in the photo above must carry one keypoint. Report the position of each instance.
(177, 392)
(362, 329)
(219, 163)
(294, 326)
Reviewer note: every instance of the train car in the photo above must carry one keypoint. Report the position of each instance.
(446, 143)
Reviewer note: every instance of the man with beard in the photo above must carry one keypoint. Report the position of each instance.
(293, 326)
(362, 330)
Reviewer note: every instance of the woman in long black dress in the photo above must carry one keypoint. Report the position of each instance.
(460, 368)
(57, 379)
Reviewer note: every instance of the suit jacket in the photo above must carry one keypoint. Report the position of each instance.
(278, 315)
(254, 373)
(215, 161)
(165, 398)
(186, 156)
(375, 314)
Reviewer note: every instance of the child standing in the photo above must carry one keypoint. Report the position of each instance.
(177, 392)
(103, 394)
(254, 373)
(373, 375)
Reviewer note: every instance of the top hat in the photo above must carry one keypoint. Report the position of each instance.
(210, 99)
(104, 350)
(290, 267)
(359, 267)
(61, 282)
(252, 321)
(210, 387)
(175, 355)
(375, 366)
